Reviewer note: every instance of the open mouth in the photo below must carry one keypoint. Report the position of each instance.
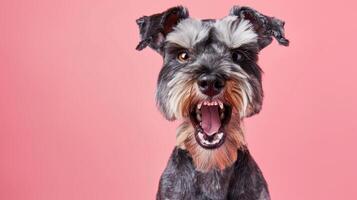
(209, 119)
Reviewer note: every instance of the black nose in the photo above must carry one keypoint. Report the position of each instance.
(210, 85)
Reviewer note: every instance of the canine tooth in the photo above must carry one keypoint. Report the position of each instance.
(198, 116)
(220, 104)
(222, 115)
(200, 135)
(199, 105)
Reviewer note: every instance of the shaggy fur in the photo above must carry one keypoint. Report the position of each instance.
(226, 49)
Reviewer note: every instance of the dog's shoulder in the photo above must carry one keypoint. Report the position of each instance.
(247, 181)
(176, 181)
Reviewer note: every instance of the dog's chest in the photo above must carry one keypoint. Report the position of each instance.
(212, 185)
(180, 180)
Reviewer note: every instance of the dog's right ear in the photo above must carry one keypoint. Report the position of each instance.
(154, 28)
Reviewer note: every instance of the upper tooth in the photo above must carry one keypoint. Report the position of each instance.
(220, 104)
(199, 105)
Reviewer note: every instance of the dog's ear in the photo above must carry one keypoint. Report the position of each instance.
(154, 28)
(265, 26)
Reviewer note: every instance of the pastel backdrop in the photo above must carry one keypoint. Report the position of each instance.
(77, 110)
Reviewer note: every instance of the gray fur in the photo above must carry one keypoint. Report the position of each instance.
(212, 53)
(211, 45)
(243, 180)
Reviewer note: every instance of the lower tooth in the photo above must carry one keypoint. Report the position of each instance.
(199, 117)
(222, 115)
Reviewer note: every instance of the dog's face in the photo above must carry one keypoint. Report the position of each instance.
(210, 78)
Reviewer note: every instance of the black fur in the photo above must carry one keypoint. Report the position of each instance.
(243, 180)
(155, 27)
(210, 55)
(266, 27)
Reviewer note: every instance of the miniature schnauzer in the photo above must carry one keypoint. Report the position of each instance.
(211, 81)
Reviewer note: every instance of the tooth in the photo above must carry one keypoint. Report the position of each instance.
(199, 105)
(220, 104)
(222, 115)
(198, 116)
(215, 103)
(200, 135)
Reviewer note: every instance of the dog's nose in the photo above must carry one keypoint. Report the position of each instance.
(210, 85)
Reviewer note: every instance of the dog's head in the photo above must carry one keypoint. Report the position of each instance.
(210, 77)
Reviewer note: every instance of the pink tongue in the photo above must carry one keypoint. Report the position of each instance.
(210, 119)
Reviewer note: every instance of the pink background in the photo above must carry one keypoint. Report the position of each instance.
(78, 118)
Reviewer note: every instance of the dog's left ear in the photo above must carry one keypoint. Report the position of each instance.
(154, 28)
(265, 26)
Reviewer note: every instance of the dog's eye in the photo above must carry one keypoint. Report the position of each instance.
(183, 56)
(237, 56)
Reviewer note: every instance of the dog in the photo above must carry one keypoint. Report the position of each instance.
(210, 80)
